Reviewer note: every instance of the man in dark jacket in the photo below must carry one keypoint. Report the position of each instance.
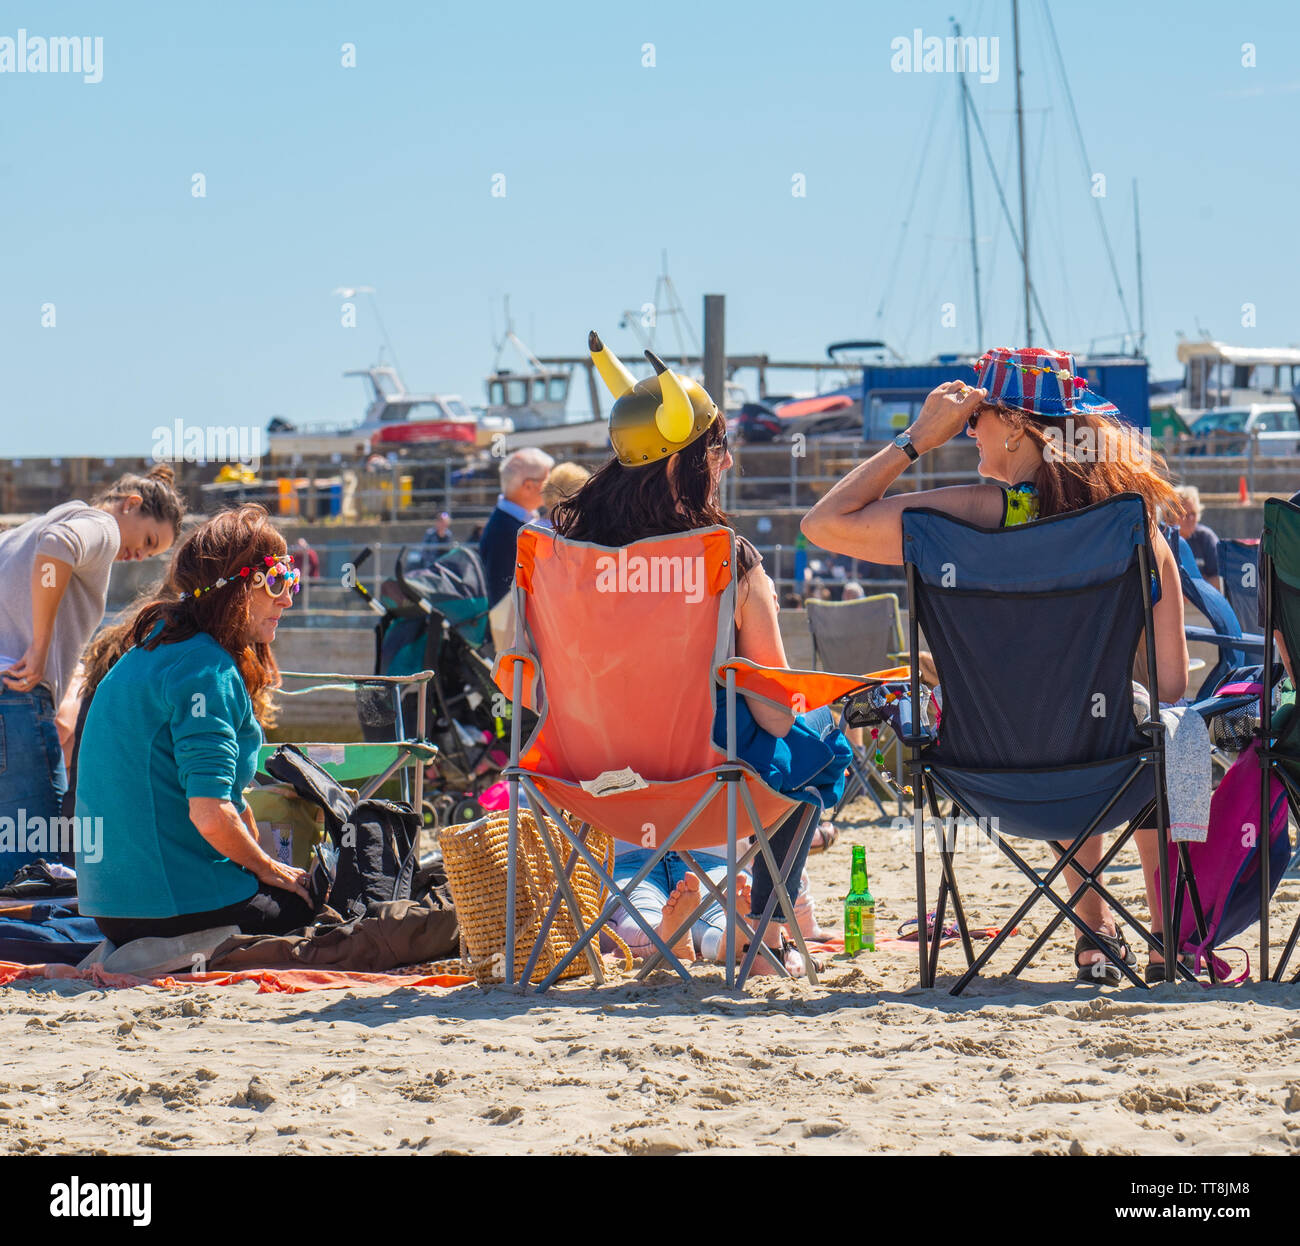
(522, 476)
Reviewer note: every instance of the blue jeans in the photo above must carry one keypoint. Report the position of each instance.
(822, 722)
(652, 894)
(32, 774)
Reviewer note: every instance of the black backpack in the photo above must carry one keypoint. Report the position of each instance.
(377, 840)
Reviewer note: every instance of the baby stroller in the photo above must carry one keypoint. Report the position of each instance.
(435, 618)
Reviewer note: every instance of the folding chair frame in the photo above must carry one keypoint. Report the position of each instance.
(926, 784)
(863, 771)
(729, 775)
(1270, 764)
(409, 751)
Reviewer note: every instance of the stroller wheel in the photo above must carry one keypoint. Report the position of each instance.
(438, 811)
(466, 809)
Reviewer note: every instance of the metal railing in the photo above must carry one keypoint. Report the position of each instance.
(774, 476)
(330, 594)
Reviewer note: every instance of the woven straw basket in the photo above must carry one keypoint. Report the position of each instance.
(475, 857)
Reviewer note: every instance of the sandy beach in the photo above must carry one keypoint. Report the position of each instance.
(865, 1061)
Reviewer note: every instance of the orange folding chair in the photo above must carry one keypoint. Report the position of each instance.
(619, 650)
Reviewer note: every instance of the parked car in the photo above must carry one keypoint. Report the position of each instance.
(757, 423)
(1227, 430)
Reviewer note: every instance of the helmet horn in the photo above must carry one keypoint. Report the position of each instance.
(675, 417)
(618, 380)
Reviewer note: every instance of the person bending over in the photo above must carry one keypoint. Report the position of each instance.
(55, 569)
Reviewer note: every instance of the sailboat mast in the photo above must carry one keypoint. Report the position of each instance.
(1024, 210)
(963, 100)
(1142, 313)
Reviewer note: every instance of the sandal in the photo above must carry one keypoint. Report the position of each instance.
(823, 837)
(792, 959)
(1103, 971)
(907, 930)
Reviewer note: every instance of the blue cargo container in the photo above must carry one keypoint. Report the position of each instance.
(892, 394)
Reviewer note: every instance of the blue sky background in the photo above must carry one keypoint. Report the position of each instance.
(219, 310)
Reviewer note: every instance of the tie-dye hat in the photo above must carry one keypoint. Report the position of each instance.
(1039, 382)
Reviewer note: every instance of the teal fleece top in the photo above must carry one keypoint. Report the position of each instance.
(165, 725)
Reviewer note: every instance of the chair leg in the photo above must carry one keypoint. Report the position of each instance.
(590, 946)
(1286, 954)
(1292, 798)
(617, 894)
(947, 886)
(1042, 888)
(713, 896)
(1194, 895)
(780, 890)
(940, 904)
(512, 874)
(918, 847)
(950, 874)
(552, 910)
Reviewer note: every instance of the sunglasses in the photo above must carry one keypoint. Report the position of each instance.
(279, 578)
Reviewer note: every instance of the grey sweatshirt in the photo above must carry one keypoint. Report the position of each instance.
(88, 540)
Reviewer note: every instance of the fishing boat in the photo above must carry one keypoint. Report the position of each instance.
(394, 417)
(530, 405)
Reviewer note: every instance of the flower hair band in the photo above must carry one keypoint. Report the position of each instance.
(279, 574)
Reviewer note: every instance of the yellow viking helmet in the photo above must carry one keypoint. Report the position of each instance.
(654, 418)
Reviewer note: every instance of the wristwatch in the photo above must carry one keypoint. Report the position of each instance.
(904, 442)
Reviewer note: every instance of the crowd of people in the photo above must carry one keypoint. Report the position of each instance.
(173, 701)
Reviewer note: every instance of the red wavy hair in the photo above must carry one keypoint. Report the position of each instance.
(216, 550)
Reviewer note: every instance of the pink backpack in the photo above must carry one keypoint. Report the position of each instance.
(1226, 865)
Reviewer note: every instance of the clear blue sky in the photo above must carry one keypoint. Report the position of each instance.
(219, 309)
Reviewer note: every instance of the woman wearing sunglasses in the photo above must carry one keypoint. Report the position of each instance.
(171, 741)
(1047, 445)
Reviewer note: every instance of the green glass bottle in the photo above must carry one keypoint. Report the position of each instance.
(859, 908)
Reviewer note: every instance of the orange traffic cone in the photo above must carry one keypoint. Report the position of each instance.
(1242, 496)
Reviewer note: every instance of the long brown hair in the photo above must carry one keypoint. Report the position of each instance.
(1101, 463)
(215, 550)
(159, 498)
(620, 505)
(109, 644)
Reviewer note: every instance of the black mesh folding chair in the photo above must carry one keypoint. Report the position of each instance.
(1279, 751)
(865, 635)
(1235, 648)
(1034, 630)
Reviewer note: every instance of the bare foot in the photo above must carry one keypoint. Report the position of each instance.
(716, 938)
(678, 907)
(744, 893)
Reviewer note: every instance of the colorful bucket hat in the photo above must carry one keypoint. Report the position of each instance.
(1039, 382)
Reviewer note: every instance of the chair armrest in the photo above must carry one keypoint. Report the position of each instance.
(800, 691)
(1208, 636)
